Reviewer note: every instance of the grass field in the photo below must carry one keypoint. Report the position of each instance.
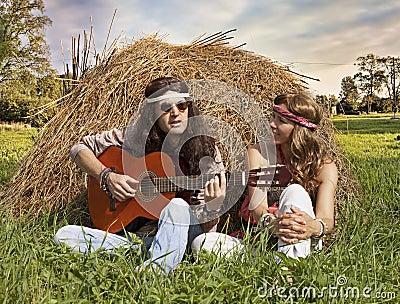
(361, 266)
(370, 124)
(14, 145)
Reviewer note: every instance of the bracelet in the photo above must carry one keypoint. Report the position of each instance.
(324, 229)
(103, 179)
(101, 175)
(266, 219)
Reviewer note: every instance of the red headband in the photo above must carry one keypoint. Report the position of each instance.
(296, 119)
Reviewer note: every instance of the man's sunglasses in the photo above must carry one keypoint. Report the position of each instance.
(181, 105)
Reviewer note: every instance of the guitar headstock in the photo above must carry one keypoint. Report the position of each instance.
(274, 176)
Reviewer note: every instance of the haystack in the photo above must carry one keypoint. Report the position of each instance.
(109, 94)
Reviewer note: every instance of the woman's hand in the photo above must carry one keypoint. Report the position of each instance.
(215, 191)
(296, 226)
(122, 187)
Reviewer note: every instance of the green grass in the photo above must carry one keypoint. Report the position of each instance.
(364, 257)
(13, 146)
(371, 124)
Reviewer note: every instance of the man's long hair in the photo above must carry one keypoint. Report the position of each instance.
(308, 151)
(148, 132)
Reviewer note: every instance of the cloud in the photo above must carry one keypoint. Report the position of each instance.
(313, 35)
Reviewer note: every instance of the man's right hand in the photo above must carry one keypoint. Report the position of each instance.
(122, 187)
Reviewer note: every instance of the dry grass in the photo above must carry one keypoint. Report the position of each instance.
(111, 92)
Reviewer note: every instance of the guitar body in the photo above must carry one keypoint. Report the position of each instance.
(148, 202)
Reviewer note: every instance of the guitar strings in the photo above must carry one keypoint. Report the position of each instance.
(173, 184)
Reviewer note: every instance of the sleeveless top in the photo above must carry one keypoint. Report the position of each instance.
(273, 196)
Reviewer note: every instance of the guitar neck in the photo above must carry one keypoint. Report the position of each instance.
(178, 183)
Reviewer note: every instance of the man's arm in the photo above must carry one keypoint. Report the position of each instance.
(85, 153)
(88, 162)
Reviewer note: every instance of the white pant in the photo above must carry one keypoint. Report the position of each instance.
(295, 196)
(85, 239)
(221, 244)
(224, 245)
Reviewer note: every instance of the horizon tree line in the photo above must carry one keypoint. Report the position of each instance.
(374, 88)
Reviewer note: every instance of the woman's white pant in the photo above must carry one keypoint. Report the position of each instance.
(221, 244)
(293, 196)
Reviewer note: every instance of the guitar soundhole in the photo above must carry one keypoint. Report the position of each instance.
(147, 191)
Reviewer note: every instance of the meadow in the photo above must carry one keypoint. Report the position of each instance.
(361, 265)
(14, 145)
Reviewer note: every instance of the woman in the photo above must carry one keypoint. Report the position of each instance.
(163, 125)
(305, 208)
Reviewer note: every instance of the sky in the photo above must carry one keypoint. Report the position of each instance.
(321, 39)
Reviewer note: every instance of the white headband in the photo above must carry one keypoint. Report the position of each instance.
(167, 96)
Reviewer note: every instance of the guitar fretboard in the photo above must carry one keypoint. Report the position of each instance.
(178, 183)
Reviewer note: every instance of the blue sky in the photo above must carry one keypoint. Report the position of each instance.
(319, 38)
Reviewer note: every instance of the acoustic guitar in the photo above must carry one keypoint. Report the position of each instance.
(157, 185)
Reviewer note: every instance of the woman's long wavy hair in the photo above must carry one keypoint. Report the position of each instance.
(308, 152)
(149, 133)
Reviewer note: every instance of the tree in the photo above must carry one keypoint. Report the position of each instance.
(15, 99)
(370, 77)
(20, 102)
(22, 44)
(391, 67)
(322, 100)
(25, 69)
(349, 95)
(333, 102)
(327, 102)
(372, 103)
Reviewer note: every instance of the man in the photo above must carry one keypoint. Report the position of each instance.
(166, 123)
